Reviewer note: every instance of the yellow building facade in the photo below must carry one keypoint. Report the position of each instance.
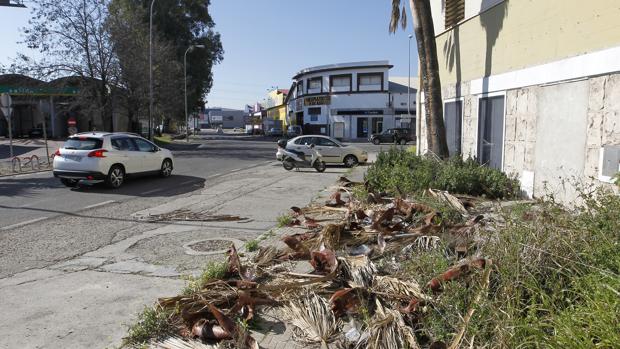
(532, 87)
(276, 109)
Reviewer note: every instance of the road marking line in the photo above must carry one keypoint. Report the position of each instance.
(235, 170)
(99, 204)
(17, 225)
(152, 191)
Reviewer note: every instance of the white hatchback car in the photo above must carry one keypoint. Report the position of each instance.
(109, 157)
(331, 150)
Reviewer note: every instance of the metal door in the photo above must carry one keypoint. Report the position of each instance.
(491, 131)
(452, 116)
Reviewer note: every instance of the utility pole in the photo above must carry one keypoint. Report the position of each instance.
(409, 84)
(151, 72)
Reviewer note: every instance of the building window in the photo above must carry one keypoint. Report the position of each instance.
(340, 83)
(453, 112)
(370, 82)
(314, 113)
(454, 12)
(300, 88)
(315, 85)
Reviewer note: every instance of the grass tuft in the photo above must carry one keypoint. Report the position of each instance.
(212, 271)
(251, 245)
(152, 323)
(284, 220)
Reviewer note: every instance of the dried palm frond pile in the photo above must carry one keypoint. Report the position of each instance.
(351, 246)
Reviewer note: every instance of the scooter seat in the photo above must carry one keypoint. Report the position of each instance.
(301, 154)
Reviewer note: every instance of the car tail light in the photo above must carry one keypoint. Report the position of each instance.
(57, 153)
(97, 153)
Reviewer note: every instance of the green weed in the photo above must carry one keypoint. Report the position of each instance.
(212, 271)
(152, 323)
(251, 245)
(284, 220)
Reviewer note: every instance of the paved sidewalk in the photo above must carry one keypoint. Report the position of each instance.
(83, 301)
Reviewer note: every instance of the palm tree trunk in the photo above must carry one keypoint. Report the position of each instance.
(427, 52)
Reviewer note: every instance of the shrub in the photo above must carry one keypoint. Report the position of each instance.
(397, 170)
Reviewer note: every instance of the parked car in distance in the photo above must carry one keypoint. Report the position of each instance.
(36, 132)
(392, 135)
(109, 157)
(275, 132)
(294, 131)
(332, 151)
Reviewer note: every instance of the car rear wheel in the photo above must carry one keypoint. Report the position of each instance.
(376, 141)
(115, 177)
(166, 168)
(402, 141)
(68, 182)
(350, 161)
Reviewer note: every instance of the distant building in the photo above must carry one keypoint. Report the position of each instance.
(56, 102)
(532, 88)
(276, 110)
(225, 117)
(348, 101)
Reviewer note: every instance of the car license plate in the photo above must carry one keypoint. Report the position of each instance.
(73, 157)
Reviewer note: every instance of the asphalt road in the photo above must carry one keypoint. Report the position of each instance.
(30, 199)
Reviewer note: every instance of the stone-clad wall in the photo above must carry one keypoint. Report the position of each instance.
(603, 119)
(523, 108)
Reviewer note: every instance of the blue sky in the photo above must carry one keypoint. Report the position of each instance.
(267, 41)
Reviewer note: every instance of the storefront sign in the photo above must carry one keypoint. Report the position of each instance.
(39, 91)
(360, 112)
(317, 100)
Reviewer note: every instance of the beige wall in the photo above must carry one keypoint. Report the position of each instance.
(523, 33)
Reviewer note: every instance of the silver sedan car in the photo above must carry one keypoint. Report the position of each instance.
(332, 150)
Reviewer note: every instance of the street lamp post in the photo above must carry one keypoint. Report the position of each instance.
(185, 74)
(409, 83)
(151, 71)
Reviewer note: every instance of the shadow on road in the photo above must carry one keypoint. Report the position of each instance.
(148, 186)
(138, 186)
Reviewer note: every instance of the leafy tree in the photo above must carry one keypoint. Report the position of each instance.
(131, 42)
(184, 23)
(427, 51)
(73, 40)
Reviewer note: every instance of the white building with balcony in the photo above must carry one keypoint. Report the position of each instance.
(349, 101)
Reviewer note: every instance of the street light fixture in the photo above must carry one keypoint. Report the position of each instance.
(185, 73)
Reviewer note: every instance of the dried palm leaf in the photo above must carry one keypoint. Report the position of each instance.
(312, 319)
(397, 288)
(182, 343)
(358, 270)
(387, 331)
(330, 235)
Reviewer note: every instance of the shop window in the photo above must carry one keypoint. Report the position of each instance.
(370, 82)
(315, 85)
(454, 12)
(340, 83)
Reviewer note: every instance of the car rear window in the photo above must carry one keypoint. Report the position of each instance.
(83, 143)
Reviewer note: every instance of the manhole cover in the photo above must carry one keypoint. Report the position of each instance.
(211, 246)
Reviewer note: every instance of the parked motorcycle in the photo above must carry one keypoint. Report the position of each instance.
(296, 159)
